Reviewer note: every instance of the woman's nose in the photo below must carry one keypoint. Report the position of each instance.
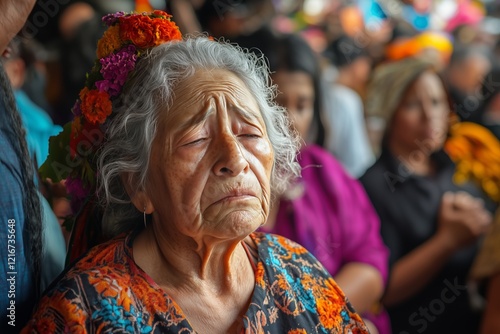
(230, 158)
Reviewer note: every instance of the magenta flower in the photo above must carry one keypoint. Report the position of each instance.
(115, 69)
(111, 19)
(76, 108)
(77, 192)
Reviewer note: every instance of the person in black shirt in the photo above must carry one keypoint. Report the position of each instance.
(430, 224)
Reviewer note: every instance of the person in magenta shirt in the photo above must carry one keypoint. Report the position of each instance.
(326, 210)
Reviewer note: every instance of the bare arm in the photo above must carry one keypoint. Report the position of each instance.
(13, 14)
(185, 16)
(361, 283)
(491, 320)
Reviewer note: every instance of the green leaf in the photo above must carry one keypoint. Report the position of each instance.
(59, 163)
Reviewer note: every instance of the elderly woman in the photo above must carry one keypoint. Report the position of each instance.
(430, 224)
(188, 159)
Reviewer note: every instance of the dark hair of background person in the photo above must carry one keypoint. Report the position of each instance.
(31, 202)
(32, 52)
(489, 89)
(343, 51)
(463, 52)
(293, 54)
(402, 29)
(212, 12)
(77, 56)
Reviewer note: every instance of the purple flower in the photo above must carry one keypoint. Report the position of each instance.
(75, 187)
(76, 109)
(77, 192)
(111, 19)
(115, 69)
(107, 86)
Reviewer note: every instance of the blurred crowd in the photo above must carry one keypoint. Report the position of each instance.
(399, 102)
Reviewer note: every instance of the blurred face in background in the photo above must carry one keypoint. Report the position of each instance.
(468, 75)
(421, 119)
(296, 94)
(361, 68)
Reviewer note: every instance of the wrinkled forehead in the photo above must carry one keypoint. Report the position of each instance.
(210, 88)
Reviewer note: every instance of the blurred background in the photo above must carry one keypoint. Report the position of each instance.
(61, 36)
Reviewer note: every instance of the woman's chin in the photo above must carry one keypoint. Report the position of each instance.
(239, 224)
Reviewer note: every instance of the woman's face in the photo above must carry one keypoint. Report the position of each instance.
(421, 120)
(297, 96)
(211, 160)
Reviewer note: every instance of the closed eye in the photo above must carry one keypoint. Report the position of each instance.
(197, 141)
(250, 135)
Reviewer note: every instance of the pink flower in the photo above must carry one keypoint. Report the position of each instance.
(115, 69)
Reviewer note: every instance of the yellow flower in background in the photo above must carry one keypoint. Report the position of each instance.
(476, 152)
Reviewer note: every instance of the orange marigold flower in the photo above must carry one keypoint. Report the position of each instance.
(96, 106)
(137, 29)
(165, 31)
(161, 13)
(144, 31)
(110, 42)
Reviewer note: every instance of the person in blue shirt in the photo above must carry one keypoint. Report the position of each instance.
(20, 212)
(37, 122)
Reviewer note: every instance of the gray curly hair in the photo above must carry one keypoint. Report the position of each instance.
(132, 128)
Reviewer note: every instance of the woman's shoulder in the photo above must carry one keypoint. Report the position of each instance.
(110, 254)
(378, 174)
(96, 283)
(107, 259)
(280, 252)
(288, 275)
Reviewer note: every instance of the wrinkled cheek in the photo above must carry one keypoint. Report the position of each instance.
(266, 156)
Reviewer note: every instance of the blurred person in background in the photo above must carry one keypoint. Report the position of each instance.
(464, 75)
(81, 27)
(37, 122)
(486, 274)
(326, 210)
(488, 113)
(344, 111)
(185, 12)
(38, 128)
(236, 20)
(20, 211)
(35, 57)
(431, 225)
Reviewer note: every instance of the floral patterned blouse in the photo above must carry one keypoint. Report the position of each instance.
(106, 292)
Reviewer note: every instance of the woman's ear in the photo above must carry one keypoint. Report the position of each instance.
(138, 196)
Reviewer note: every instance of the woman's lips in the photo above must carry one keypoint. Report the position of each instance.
(237, 196)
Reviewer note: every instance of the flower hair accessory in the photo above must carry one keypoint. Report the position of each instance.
(73, 153)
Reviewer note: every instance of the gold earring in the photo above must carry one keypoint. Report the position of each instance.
(145, 225)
